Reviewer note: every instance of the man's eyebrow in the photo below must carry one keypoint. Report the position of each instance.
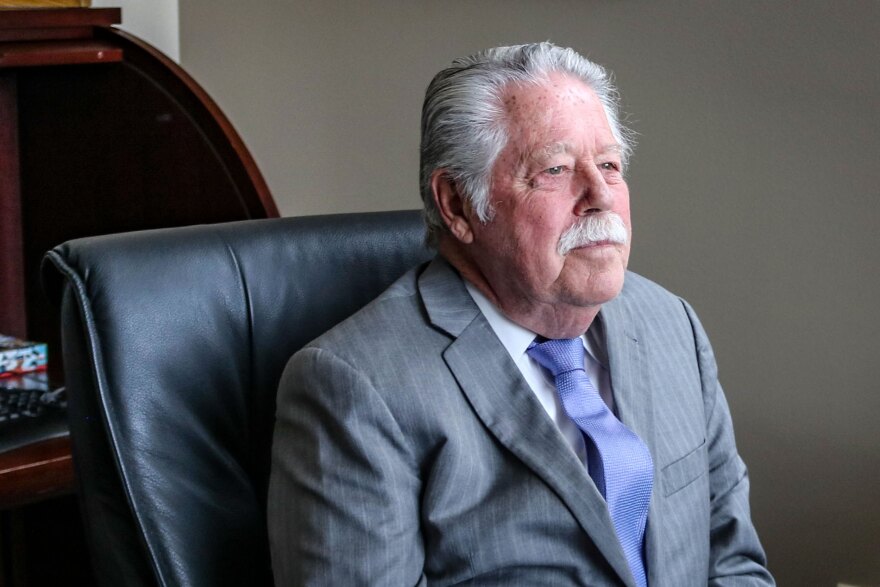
(563, 147)
(550, 150)
(611, 148)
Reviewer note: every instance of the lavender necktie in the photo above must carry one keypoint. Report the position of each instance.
(619, 462)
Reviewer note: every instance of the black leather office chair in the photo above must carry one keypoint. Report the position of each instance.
(174, 341)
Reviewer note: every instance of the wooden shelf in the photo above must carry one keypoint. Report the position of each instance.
(28, 23)
(42, 53)
(59, 36)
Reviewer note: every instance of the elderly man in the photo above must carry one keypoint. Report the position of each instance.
(520, 411)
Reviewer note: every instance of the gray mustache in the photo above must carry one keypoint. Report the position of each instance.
(594, 228)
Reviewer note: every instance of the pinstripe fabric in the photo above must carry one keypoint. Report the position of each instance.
(410, 451)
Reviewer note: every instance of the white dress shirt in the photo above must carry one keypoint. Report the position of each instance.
(516, 340)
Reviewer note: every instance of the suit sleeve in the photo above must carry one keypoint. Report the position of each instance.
(343, 504)
(736, 556)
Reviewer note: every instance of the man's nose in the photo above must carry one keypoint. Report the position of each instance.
(595, 196)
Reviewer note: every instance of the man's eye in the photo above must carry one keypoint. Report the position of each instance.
(555, 170)
(609, 166)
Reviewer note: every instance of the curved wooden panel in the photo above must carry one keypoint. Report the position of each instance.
(130, 144)
(205, 115)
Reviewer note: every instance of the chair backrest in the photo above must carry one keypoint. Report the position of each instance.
(173, 342)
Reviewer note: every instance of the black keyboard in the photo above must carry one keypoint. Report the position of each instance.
(23, 398)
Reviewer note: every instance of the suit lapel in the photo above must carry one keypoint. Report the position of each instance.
(506, 405)
(634, 402)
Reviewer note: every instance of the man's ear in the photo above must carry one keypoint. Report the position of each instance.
(453, 208)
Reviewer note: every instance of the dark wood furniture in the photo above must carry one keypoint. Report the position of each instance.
(99, 133)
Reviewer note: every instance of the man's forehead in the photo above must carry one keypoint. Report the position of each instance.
(564, 147)
(545, 119)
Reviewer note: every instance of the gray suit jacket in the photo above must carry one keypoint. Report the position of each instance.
(409, 450)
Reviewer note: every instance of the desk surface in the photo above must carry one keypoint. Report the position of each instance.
(38, 468)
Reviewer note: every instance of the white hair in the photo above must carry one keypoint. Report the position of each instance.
(463, 117)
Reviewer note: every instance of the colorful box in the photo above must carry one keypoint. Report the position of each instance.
(20, 356)
(38, 380)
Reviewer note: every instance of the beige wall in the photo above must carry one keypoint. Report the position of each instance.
(755, 194)
(155, 21)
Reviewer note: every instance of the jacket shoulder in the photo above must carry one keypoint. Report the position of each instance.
(394, 312)
(641, 290)
(653, 307)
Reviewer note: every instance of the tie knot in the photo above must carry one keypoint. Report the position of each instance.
(560, 355)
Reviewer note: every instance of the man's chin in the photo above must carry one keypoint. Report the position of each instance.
(604, 293)
(599, 287)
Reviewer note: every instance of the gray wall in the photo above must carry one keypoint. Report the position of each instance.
(755, 194)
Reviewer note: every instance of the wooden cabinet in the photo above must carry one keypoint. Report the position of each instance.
(99, 133)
